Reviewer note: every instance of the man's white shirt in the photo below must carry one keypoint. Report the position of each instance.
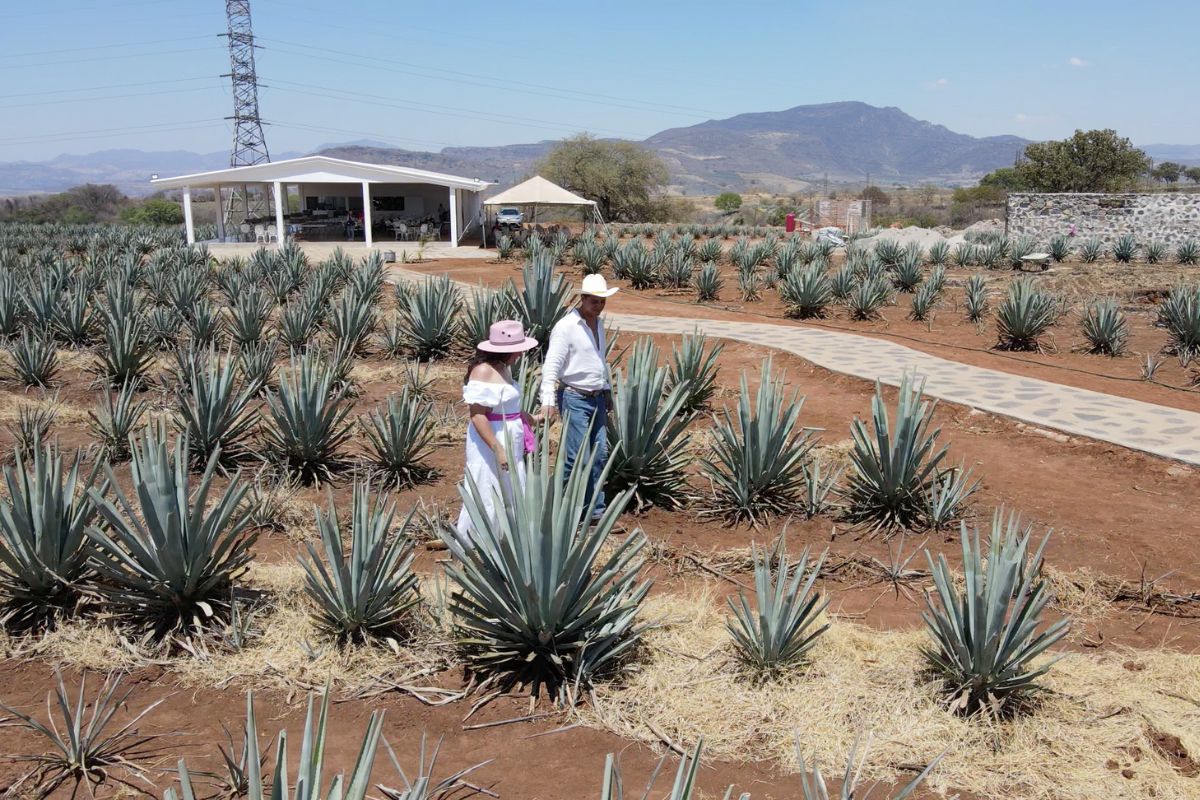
(574, 358)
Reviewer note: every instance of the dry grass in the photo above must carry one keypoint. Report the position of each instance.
(287, 652)
(12, 402)
(1091, 736)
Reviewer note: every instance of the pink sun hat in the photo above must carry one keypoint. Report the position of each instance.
(507, 336)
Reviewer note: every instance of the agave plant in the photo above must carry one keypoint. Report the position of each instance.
(504, 248)
(1024, 316)
(399, 439)
(541, 302)
(1091, 250)
(908, 273)
(1018, 249)
(115, 419)
(695, 369)
(1105, 327)
(1156, 252)
(43, 535)
(256, 365)
(812, 784)
(297, 324)
(214, 414)
(975, 298)
(163, 324)
(308, 419)
(867, 298)
(684, 787)
(75, 321)
(430, 317)
(204, 323)
(248, 316)
(842, 283)
(590, 256)
(963, 254)
(939, 253)
(986, 636)
(125, 352)
(819, 487)
(1187, 253)
(806, 292)
(1179, 313)
(923, 301)
(776, 633)
(88, 747)
(1125, 248)
(537, 601)
(647, 433)
(750, 284)
(309, 778)
(31, 427)
(368, 592)
(352, 318)
(34, 359)
(677, 270)
(708, 283)
(948, 494)
(484, 308)
(991, 255)
(893, 469)
(709, 250)
(757, 465)
(1060, 248)
(937, 279)
(171, 559)
(634, 264)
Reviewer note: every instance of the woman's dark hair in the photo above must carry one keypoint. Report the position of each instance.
(497, 360)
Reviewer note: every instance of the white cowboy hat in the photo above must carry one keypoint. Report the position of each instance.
(596, 285)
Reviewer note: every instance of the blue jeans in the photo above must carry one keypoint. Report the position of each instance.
(586, 419)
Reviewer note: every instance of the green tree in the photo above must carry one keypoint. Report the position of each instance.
(1090, 161)
(728, 201)
(1192, 174)
(620, 176)
(154, 211)
(877, 196)
(1167, 171)
(1004, 178)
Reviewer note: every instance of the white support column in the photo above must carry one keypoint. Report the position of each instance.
(367, 213)
(220, 216)
(188, 224)
(281, 233)
(453, 217)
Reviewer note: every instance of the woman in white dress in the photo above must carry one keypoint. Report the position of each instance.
(499, 433)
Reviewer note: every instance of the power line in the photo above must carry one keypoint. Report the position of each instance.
(491, 83)
(112, 97)
(108, 86)
(102, 46)
(73, 61)
(152, 127)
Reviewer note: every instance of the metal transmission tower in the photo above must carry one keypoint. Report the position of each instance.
(249, 144)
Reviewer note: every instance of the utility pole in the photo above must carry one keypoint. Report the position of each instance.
(249, 144)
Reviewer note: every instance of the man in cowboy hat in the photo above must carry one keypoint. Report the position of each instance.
(575, 381)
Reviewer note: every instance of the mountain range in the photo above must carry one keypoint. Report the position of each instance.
(779, 151)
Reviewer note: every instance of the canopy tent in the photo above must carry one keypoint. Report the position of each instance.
(537, 191)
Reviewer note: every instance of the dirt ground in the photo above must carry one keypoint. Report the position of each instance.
(1123, 543)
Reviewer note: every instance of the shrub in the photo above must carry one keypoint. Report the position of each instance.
(757, 464)
(647, 433)
(893, 468)
(1179, 313)
(985, 637)
(728, 201)
(1105, 327)
(1024, 316)
(784, 623)
(368, 592)
(172, 559)
(975, 298)
(536, 601)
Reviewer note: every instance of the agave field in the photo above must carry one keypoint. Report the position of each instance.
(226, 515)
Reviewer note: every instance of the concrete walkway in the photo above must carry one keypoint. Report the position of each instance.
(317, 251)
(1159, 430)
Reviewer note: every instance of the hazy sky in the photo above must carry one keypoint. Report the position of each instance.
(85, 75)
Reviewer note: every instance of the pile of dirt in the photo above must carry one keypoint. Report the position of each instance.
(987, 226)
(925, 237)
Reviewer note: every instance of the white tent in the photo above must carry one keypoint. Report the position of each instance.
(537, 191)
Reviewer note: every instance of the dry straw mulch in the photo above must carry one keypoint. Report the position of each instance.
(1113, 725)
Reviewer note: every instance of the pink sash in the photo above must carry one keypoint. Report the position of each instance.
(529, 440)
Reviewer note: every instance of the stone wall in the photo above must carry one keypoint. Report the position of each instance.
(1169, 218)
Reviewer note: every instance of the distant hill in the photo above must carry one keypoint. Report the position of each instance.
(773, 151)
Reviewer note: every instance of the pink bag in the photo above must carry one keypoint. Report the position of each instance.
(528, 438)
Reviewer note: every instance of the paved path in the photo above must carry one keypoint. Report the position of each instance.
(1159, 430)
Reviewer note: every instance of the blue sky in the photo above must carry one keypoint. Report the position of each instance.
(85, 75)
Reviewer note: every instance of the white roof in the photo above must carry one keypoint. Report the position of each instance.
(320, 169)
(537, 191)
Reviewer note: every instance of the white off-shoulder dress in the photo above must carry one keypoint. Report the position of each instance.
(494, 486)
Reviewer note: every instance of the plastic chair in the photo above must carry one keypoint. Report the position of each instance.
(272, 233)
(245, 229)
